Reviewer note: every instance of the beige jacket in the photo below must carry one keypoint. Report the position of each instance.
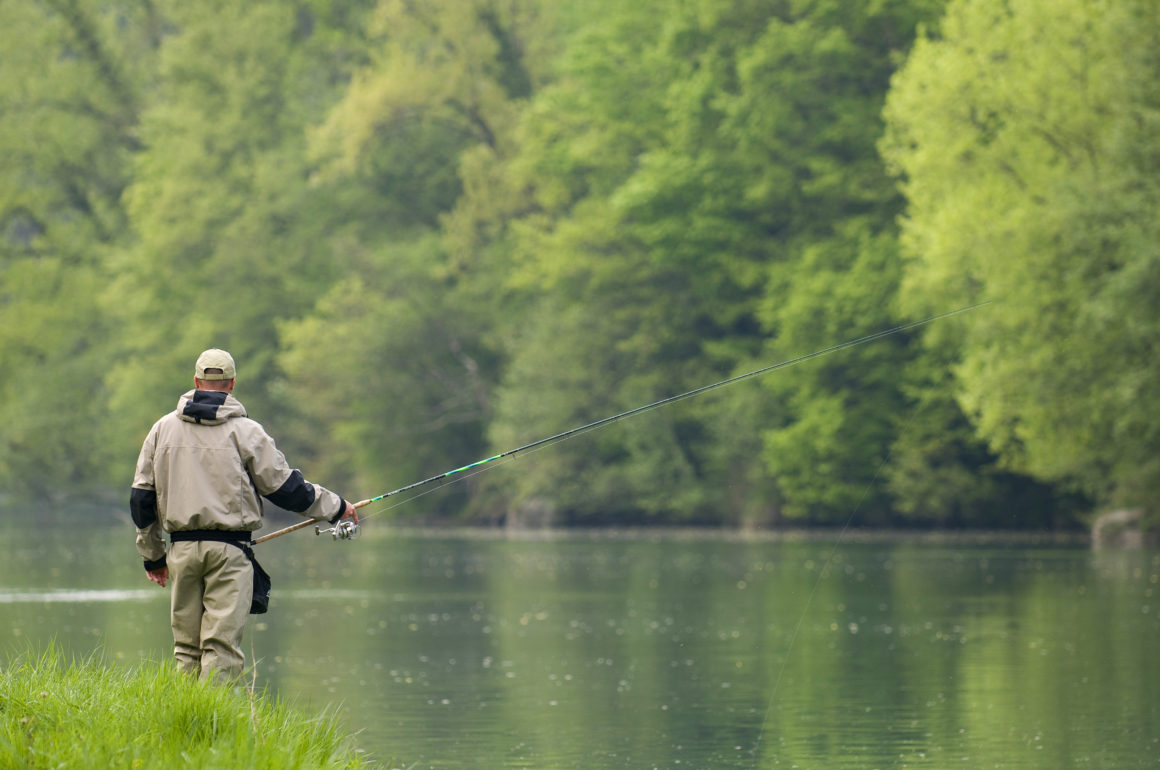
(208, 466)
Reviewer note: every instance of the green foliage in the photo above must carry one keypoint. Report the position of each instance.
(86, 714)
(942, 473)
(703, 180)
(649, 466)
(394, 373)
(842, 409)
(834, 271)
(71, 83)
(614, 313)
(1027, 138)
(435, 100)
(433, 231)
(231, 236)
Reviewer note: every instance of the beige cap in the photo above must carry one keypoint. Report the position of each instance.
(215, 359)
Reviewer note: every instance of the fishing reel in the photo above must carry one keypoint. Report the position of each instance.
(345, 529)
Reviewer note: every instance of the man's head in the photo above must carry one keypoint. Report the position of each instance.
(214, 370)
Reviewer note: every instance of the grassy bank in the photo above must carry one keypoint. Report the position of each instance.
(56, 713)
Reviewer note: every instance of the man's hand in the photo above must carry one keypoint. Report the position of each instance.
(350, 512)
(158, 576)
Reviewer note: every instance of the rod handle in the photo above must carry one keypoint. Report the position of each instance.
(287, 530)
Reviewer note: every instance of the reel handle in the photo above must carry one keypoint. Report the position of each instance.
(343, 530)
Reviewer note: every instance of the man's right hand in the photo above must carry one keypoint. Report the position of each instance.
(350, 512)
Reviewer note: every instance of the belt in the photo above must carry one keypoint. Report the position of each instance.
(217, 535)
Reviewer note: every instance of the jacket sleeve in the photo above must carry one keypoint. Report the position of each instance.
(282, 485)
(143, 507)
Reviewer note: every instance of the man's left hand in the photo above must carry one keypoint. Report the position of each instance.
(158, 576)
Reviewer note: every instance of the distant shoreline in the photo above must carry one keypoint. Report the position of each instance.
(722, 534)
(101, 515)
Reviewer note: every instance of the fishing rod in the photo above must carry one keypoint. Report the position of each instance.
(347, 530)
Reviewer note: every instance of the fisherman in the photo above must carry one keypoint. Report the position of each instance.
(201, 476)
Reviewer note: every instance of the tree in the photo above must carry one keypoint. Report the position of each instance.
(429, 112)
(701, 178)
(1026, 137)
(612, 319)
(394, 376)
(795, 151)
(72, 80)
(231, 237)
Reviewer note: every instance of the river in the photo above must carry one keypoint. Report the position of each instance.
(466, 650)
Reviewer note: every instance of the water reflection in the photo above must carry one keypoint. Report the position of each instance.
(452, 651)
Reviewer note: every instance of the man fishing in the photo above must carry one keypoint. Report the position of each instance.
(201, 476)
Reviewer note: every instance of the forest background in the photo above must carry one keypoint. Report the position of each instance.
(431, 231)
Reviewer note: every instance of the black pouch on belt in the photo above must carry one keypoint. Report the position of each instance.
(260, 602)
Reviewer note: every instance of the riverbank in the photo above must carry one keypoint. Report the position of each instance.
(88, 714)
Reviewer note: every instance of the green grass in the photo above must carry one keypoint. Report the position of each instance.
(86, 714)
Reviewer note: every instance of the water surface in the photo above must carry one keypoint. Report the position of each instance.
(452, 650)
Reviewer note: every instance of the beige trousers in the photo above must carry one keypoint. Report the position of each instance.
(212, 587)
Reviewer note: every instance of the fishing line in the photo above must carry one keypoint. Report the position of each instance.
(640, 409)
